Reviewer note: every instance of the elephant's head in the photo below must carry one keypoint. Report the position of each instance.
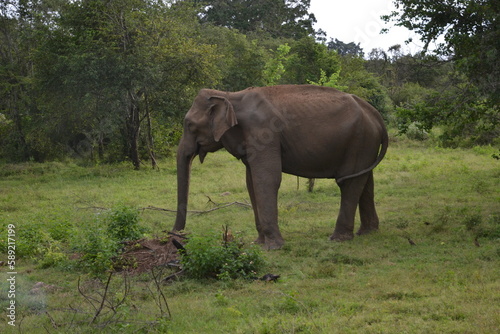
(210, 116)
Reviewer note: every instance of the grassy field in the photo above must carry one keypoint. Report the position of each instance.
(442, 199)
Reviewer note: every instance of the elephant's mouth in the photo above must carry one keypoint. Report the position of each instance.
(203, 149)
(201, 152)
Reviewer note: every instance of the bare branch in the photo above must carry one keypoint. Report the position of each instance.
(103, 298)
(199, 212)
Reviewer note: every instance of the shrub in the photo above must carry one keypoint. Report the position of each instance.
(52, 257)
(98, 251)
(210, 257)
(101, 244)
(123, 224)
(32, 240)
(415, 132)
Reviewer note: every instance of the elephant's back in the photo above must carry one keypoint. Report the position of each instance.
(323, 126)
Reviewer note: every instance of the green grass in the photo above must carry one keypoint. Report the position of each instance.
(440, 198)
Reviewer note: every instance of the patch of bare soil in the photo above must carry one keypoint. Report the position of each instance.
(145, 254)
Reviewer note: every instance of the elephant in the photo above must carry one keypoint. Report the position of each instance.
(304, 130)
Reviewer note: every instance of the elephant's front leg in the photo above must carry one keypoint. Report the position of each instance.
(263, 181)
(350, 193)
(261, 239)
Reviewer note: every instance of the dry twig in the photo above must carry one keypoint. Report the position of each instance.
(103, 298)
(200, 212)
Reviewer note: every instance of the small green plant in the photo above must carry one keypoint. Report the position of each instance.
(98, 251)
(33, 241)
(52, 257)
(123, 224)
(210, 257)
(331, 81)
(101, 244)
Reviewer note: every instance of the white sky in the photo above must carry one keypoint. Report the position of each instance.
(359, 21)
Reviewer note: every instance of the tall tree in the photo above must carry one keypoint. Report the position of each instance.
(240, 60)
(345, 49)
(306, 61)
(278, 18)
(471, 32)
(23, 25)
(116, 64)
(471, 41)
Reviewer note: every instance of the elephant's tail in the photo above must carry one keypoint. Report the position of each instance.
(384, 143)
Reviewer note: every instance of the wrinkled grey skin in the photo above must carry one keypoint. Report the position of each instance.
(308, 131)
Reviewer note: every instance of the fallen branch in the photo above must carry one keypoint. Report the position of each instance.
(178, 235)
(200, 212)
(93, 208)
(197, 212)
(174, 275)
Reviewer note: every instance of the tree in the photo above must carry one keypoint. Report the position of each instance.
(468, 105)
(278, 18)
(23, 27)
(345, 49)
(275, 66)
(360, 82)
(240, 58)
(471, 33)
(306, 61)
(114, 65)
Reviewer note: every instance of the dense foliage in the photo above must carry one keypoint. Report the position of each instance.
(106, 81)
(208, 256)
(467, 34)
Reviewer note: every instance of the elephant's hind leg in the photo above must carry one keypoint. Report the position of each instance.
(367, 212)
(350, 194)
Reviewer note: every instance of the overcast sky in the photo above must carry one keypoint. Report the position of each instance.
(359, 21)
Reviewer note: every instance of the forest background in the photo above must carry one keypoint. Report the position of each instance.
(108, 81)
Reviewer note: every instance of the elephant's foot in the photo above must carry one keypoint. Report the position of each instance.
(272, 244)
(261, 240)
(363, 231)
(336, 236)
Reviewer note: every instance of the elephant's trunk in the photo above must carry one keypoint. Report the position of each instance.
(185, 154)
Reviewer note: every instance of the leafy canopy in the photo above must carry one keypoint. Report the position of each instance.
(277, 18)
(471, 33)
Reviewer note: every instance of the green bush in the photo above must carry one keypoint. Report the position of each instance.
(36, 241)
(52, 257)
(32, 240)
(101, 244)
(98, 251)
(210, 257)
(123, 224)
(415, 132)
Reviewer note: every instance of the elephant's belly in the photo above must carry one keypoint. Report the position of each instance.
(309, 166)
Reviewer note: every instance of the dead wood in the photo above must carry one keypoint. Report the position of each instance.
(200, 212)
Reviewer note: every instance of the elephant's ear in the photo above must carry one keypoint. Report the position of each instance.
(222, 116)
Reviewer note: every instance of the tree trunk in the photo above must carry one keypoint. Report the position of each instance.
(21, 139)
(310, 185)
(151, 143)
(133, 125)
